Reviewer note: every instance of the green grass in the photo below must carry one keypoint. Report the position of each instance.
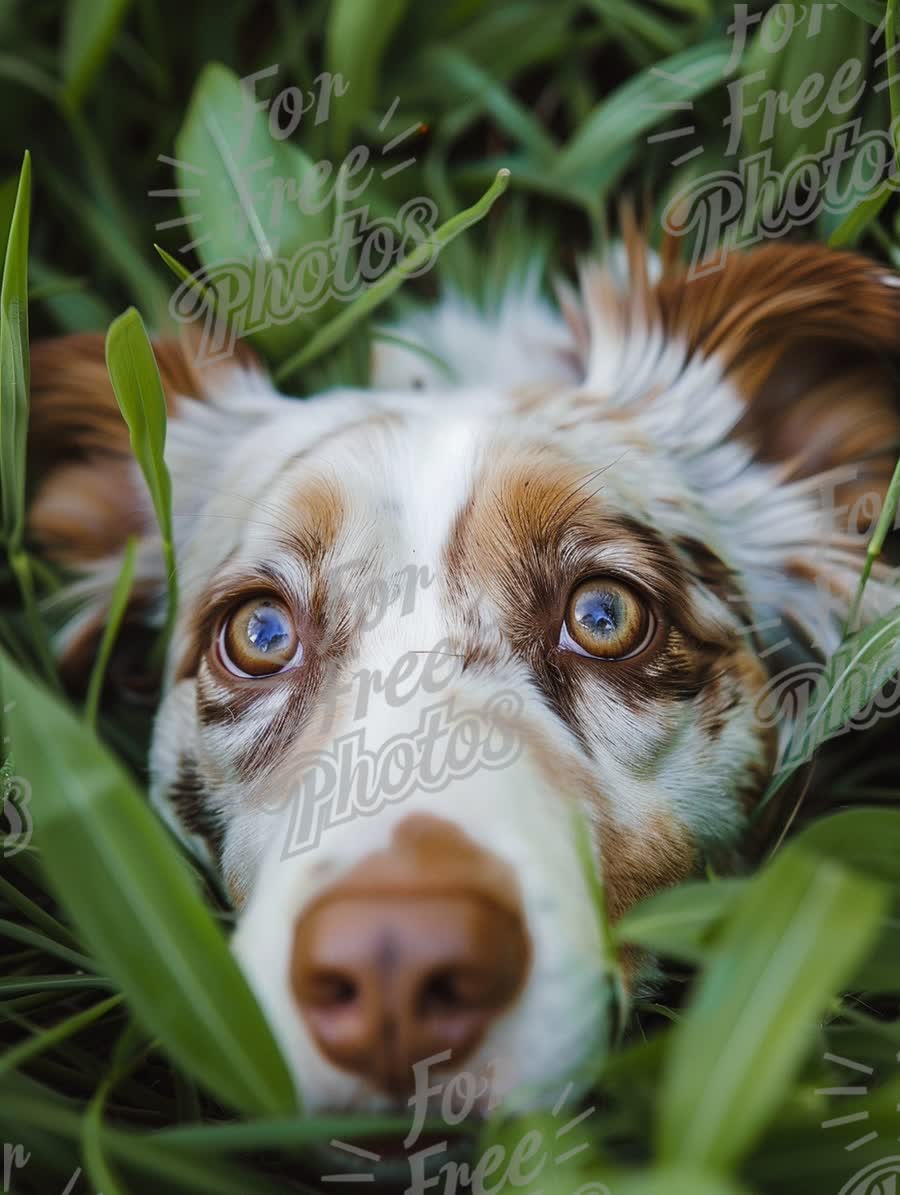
(132, 1045)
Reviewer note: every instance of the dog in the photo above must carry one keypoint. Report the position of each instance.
(454, 649)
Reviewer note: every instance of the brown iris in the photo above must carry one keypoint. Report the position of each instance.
(605, 619)
(259, 638)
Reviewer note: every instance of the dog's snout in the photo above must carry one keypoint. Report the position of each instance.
(389, 981)
(414, 954)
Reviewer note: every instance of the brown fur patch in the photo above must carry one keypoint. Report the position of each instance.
(90, 496)
(74, 413)
(635, 862)
(528, 532)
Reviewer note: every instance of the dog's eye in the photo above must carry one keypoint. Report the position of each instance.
(260, 639)
(605, 619)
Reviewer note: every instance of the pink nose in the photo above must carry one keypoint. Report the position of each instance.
(389, 975)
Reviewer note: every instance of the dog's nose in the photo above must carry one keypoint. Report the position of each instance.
(388, 980)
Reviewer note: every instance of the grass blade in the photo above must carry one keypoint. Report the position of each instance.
(117, 607)
(875, 545)
(35, 914)
(93, 1146)
(142, 401)
(414, 263)
(14, 380)
(669, 1181)
(26, 1105)
(45, 944)
(865, 839)
(870, 10)
(46, 1040)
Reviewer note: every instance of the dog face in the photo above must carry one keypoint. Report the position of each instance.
(430, 632)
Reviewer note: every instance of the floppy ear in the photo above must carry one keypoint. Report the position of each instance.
(773, 381)
(810, 338)
(89, 495)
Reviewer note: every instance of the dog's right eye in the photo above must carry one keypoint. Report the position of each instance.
(260, 639)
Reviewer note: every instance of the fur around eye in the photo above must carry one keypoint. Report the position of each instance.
(606, 620)
(259, 638)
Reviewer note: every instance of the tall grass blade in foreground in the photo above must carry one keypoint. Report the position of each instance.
(793, 939)
(136, 905)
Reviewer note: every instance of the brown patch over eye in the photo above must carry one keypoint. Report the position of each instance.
(260, 639)
(606, 619)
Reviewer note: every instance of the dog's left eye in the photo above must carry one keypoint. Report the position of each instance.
(606, 619)
(260, 639)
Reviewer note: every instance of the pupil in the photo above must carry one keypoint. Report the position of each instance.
(600, 613)
(266, 629)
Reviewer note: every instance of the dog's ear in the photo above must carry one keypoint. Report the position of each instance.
(776, 382)
(810, 337)
(87, 493)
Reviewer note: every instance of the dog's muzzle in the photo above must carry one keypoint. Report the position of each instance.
(414, 953)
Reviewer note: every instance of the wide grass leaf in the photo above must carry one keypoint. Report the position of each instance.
(357, 36)
(136, 906)
(413, 264)
(865, 839)
(870, 10)
(795, 936)
(255, 204)
(811, 45)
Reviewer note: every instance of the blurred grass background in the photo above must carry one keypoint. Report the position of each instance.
(124, 1053)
